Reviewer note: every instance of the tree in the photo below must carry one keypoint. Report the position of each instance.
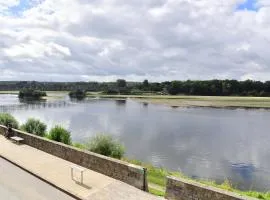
(78, 94)
(121, 83)
(31, 94)
(145, 85)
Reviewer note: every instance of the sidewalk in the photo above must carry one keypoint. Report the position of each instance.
(12, 178)
(57, 171)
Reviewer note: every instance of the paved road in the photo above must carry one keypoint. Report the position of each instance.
(16, 184)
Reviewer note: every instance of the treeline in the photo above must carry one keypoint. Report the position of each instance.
(50, 86)
(121, 86)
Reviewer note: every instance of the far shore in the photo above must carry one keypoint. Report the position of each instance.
(51, 95)
(231, 102)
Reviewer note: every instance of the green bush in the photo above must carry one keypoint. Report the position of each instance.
(35, 127)
(106, 145)
(78, 94)
(60, 134)
(31, 94)
(136, 92)
(6, 118)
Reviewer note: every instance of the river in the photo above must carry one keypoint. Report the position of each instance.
(203, 143)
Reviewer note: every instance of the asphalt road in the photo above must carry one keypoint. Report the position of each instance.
(16, 184)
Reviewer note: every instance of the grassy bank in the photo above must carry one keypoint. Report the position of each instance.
(196, 101)
(9, 92)
(157, 181)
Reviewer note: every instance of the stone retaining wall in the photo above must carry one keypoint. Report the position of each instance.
(181, 189)
(128, 173)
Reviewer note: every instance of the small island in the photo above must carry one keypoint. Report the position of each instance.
(78, 94)
(31, 94)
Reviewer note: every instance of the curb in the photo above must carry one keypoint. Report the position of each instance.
(42, 179)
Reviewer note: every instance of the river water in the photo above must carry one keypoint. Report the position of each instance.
(203, 143)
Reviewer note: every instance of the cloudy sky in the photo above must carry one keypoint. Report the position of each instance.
(102, 40)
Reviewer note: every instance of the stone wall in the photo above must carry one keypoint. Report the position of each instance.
(181, 189)
(128, 173)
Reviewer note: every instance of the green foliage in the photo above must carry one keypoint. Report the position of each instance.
(121, 83)
(79, 145)
(189, 87)
(110, 91)
(157, 192)
(145, 84)
(60, 134)
(35, 127)
(31, 94)
(79, 94)
(106, 145)
(227, 185)
(136, 92)
(7, 119)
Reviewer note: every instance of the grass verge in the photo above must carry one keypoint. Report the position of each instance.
(157, 181)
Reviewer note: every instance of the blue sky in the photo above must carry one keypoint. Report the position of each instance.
(248, 5)
(22, 6)
(26, 4)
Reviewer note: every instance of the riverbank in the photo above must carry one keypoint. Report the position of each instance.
(157, 181)
(196, 101)
(231, 102)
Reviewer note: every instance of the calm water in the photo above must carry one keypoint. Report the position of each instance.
(202, 143)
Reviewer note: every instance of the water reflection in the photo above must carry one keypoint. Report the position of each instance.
(203, 143)
(145, 104)
(120, 102)
(34, 105)
(244, 170)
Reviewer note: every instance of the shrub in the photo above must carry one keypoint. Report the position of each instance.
(106, 145)
(110, 91)
(136, 92)
(34, 126)
(79, 94)
(6, 118)
(31, 94)
(60, 134)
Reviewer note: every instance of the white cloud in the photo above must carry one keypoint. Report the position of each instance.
(136, 39)
(5, 4)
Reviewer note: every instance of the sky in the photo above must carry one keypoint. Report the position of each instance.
(158, 40)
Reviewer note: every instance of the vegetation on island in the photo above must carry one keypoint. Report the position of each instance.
(108, 146)
(121, 86)
(78, 94)
(31, 94)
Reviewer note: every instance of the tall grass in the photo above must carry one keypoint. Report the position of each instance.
(7, 119)
(105, 145)
(60, 134)
(35, 127)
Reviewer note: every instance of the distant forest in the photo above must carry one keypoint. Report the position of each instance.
(121, 86)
